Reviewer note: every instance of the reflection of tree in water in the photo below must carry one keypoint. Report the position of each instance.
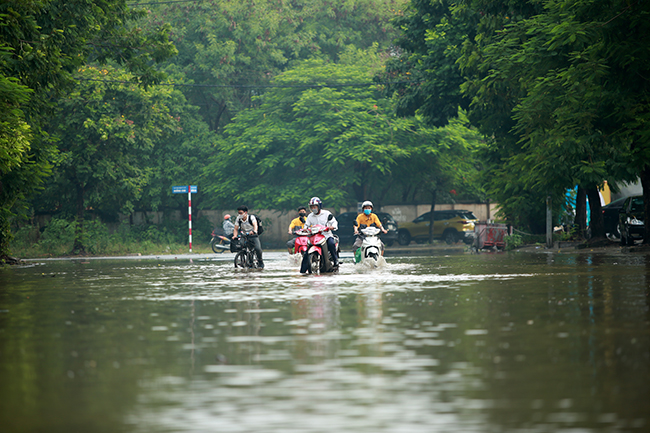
(568, 367)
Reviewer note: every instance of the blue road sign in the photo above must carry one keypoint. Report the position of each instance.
(183, 189)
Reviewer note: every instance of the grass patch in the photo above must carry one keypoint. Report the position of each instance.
(56, 239)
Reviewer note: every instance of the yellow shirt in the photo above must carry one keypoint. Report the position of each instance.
(362, 218)
(296, 224)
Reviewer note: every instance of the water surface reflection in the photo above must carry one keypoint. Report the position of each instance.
(502, 342)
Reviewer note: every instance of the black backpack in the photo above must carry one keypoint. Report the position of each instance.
(260, 227)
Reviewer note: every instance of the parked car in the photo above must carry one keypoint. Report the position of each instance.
(448, 225)
(346, 231)
(631, 220)
(610, 217)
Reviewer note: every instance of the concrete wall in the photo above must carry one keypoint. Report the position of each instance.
(276, 223)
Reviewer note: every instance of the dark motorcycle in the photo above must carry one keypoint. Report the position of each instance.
(220, 242)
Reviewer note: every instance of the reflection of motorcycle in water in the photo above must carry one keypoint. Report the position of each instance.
(219, 242)
(318, 258)
(370, 251)
(301, 245)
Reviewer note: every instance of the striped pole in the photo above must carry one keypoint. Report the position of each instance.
(189, 204)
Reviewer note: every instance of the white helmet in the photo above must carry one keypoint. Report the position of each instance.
(367, 203)
(315, 201)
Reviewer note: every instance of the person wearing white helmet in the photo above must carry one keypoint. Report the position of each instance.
(323, 217)
(228, 226)
(365, 219)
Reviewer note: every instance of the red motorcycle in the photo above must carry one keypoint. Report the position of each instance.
(301, 244)
(317, 259)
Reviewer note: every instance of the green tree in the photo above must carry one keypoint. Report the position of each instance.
(42, 43)
(425, 72)
(325, 135)
(107, 129)
(442, 164)
(566, 72)
(322, 134)
(231, 50)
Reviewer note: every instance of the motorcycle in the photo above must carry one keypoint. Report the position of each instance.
(219, 242)
(301, 245)
(371, 247)
(317, 258)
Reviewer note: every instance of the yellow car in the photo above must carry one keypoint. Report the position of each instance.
(448, 225)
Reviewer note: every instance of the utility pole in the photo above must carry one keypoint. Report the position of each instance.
(549, 223)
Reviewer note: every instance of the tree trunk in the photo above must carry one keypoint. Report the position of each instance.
(434, 196)
(405, 193)
(77, 246)
(645, 183)
(596, 211)
(581, 212)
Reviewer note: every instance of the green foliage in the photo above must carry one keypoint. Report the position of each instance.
(42, 43)
(425, 71)
(106, 129)
(553, 83)
(235, 48)
(341, 143)
(303, 141)
(58, 237)
(513, 241)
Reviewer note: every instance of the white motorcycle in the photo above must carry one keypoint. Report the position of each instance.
(370, 252)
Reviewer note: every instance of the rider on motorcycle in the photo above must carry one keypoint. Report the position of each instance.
(323, 217)
(296, 224)
(366, 218)
(228, 226)
(248, 225)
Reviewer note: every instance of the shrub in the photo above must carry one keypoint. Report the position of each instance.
(513, 241)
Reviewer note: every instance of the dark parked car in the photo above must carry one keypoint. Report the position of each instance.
(631, 220)
(346, 232)
(610, 216)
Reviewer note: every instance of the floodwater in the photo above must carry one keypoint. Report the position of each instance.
(508, 342)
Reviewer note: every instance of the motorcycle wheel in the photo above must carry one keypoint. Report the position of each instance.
(314, 263)
(214, 243)
(240, 259)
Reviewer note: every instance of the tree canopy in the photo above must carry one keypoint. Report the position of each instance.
(339, 141)
(230, 50)
(42, 43)
(558, 85)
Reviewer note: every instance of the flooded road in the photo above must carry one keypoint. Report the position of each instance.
(514, 342)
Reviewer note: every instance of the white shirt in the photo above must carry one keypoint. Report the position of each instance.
(321, 219)
(245, 226)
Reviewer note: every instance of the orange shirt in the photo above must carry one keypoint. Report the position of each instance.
(362, 218)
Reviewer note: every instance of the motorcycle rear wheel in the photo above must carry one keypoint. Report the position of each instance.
(215, 242)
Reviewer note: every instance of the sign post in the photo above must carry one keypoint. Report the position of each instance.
(189, 189)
